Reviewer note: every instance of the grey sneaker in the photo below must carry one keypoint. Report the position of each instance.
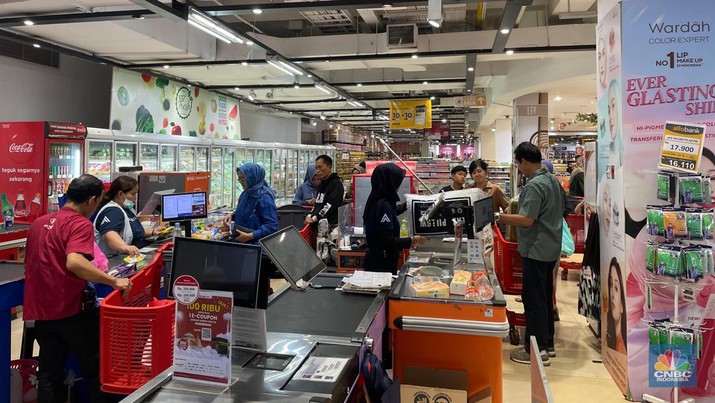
(551, 351)
(522, 357)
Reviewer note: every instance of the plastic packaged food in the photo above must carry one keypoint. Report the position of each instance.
(674, 224)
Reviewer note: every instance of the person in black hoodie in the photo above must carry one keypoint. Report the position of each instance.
(382, 228)
(330, 193)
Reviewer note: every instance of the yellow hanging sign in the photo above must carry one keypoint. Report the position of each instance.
(411, 114)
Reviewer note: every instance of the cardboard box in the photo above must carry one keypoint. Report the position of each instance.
(422, 384)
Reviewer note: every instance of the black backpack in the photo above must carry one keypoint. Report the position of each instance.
(376, 379)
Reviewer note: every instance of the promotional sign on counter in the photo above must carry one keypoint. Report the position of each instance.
(202, 344)
(682, 147)
(144, 103)
(411, 114)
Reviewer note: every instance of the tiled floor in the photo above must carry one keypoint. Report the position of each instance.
(573, 376)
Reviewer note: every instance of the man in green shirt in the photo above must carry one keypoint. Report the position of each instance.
(539, 225)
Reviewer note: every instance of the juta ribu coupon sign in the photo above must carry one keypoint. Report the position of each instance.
(682, 147)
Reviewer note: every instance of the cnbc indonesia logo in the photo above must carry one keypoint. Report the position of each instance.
(672, 368)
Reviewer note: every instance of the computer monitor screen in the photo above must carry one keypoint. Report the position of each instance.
(483, 213)
(222, 266)
(183, 206)
(292, 255)
(152, 206)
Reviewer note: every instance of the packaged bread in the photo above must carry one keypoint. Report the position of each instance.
(431, 289)
(460, 279)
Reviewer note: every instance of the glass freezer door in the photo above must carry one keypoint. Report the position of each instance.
(267, 159)
(168, 158)
(99, 159)
(216, 196)
(228, 177)
(202, 159)
(65, 164)
(240, 160)
(186, 158)
(149, 157)
(125, 155)
(291, 172)
(278, 177)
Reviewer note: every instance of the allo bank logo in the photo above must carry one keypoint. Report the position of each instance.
(672, 367)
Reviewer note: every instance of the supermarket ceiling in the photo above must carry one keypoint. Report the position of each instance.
(342, 60)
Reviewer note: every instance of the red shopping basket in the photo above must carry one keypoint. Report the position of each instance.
(576, 227)
(310, 234)
(136, 334)
(28, 372)
(508, 264)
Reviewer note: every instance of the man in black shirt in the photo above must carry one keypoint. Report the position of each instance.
(330, 193)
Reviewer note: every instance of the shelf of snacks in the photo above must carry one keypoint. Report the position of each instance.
(435, 173)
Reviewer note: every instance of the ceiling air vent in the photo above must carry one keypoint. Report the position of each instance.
(402, 36)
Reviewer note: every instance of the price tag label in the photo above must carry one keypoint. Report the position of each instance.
(682, 147)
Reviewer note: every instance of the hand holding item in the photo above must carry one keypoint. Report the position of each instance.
(308, 220)
(228, 218)
(124, 285)
(311, 201)
(244, 237)
(131, 250)
(419, 240)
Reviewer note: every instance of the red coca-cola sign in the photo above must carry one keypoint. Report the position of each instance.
(20, 149)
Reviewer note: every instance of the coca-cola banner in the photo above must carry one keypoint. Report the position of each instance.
(21, 153)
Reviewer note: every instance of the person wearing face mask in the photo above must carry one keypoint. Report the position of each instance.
(118, 229)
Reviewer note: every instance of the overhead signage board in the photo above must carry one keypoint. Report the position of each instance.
(411, 114)
(533, 110)
(471, 101)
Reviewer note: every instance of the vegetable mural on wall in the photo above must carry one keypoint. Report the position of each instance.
(144, 103)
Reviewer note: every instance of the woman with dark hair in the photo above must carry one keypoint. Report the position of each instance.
(255, 215)
(478, 172)
(382, 228)
(117, 226)
(616, 317)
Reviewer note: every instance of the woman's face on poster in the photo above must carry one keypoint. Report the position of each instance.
(606, 209)
(614, 294)
(602, 62)
(613, 113)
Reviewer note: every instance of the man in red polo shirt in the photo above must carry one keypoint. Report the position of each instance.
(60, 247)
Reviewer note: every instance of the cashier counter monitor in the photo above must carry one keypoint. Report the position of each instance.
(475, 219)
(293, 256)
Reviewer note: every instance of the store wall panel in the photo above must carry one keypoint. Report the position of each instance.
(259, 126)
(77, 91)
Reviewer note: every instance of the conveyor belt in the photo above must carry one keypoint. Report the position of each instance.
(321, 311)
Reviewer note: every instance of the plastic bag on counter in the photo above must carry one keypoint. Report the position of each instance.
(441, 221)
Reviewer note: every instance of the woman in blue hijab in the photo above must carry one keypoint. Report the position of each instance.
(255, 215)
(305, 195)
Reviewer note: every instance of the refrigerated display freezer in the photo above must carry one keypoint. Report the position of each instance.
(319, 322)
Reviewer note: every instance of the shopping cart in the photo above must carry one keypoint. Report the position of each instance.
(136, 333)
(508, 266)
(576, 227)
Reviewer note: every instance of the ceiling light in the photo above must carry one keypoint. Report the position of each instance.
(244, 63)
(29, 23)
(322, 116)
(281, 67)
(359, 84)
(505, 31)
(166, 66)
(310, 76)
(313, 122)
(425, 82)
(356, 104)
(414, 56)
(444, 120)
(212, 26)
(257, 11)
(434, 13)
(469, 90)
(323, 88)
(431, 98)
(557, 98)
(296, 86)
(470, 68)
(36, 45)
(509, 52)
(493, 129)
(249, 43)
(236, 88)
(330, 125)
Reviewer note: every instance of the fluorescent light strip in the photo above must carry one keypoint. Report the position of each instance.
(212, 27)
(291, 68)
(279, 67)
(325, 90)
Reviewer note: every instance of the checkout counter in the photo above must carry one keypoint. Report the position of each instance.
(304, 326)
(12, 287)
(12, 240)
(451, 333)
